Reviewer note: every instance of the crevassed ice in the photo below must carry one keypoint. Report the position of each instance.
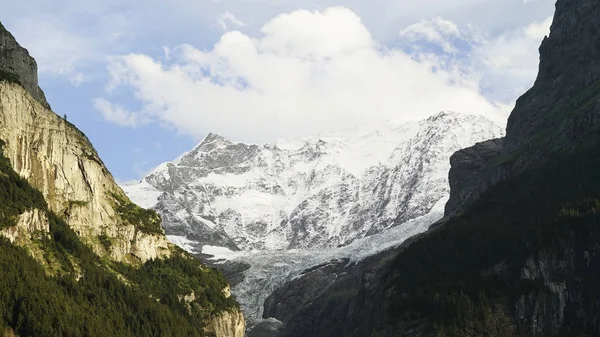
(271, 269)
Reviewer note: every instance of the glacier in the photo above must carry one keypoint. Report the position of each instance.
(271, 269)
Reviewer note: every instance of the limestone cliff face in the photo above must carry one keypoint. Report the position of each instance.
(227, 324)
(31, 224)
(58, 159)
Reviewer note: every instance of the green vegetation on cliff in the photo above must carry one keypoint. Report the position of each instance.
(89, 296)
(145, 220)
(16, 195)
(466, 276)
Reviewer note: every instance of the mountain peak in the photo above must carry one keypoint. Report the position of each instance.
(17, 66)
(314, 191)
(210, 142)
(441, 114)
(211, 137)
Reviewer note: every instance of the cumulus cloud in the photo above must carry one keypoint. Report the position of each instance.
(437, 31)
(307, 72)
(75, 36)
(506, 64)
(116, 113)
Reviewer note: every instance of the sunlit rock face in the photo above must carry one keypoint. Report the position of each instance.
(59, 160)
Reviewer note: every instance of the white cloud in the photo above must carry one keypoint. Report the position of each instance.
(76, 79)
(511, 59)
(505, 64)
(75, 36)
(116, 113)
(227, 17)
(437, 31)
(308, 72)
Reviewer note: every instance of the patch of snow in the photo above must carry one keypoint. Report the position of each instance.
(271, 269)
(143, 194)
(221, 253)
(183, 243)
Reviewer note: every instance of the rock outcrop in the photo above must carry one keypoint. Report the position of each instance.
(31, 224)
(270, 327)
(562, 107)
(466, 164)
(560, 111)
(59, 160)
(337, 299)
(18, 66)
(227, 324)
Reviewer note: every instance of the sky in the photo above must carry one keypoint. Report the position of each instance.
(147, 80)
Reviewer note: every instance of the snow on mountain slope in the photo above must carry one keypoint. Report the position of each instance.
(272, 269)
(313, 192)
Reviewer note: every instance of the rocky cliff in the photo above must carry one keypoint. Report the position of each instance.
(559, 113)
(78, 257)
(227, 324)
(466, 164)
(59, 160)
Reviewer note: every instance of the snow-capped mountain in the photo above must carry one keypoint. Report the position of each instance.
(313, 192)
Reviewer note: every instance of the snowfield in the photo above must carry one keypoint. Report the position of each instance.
(319, 191)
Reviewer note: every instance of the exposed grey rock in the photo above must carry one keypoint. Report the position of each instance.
(341, 299)
(563, 104)
(465, 165)
(15, 62)
(270, 327)
(232, 270)
(561, 110)
(286, 302)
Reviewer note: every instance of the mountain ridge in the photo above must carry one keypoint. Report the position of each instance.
(222, 191)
